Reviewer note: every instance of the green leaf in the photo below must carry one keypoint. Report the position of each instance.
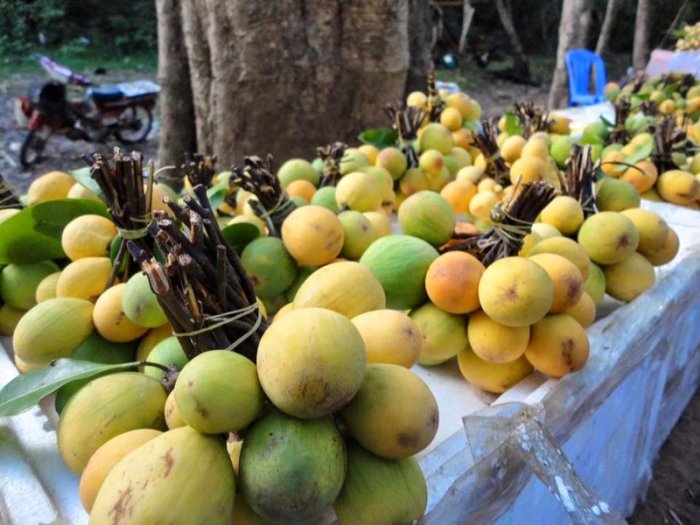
(217, 194)
(82, 176)
(26, 390)
(642, 153)
(513, 126)
(607, 122)
(239, 235)
(380, 137)
(34, 234)
(472, 125)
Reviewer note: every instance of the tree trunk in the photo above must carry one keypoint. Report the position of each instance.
(569, 28)
(640, 52)
(606, 30)
(467, 16)
(287, 76)
(522, 69)
(584, 23)
(177, 135)
(420, 44)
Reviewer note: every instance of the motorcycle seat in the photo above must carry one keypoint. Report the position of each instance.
(106, 94)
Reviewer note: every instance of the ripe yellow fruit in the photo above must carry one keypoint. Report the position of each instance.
(78, 191)
(642, 175)
(313, 235)
(494, 342)
(610, 164)
(451, 118)
(678, 187)
(492, 377)
(370, 152)
(566, 248)
(110, 320)
(85, 278)
(452, 282)
(390, 336)
(417, 99)
(567, 279)
(535, 147)
(515, 291)
(172, 414)
(47, 287)
(301, 188)
(248, 219)
(545, 231)
(608, 237)
(88, 236)
(461, 102)
(470, 173)
(380, 222)
(629, 278)
(558, 345)
(530, 169)
(444, 334)
(583, 311)
(564, 213)
(481, 204)
(667, 252)
(512, 148)
(54, 185)
(652, 228)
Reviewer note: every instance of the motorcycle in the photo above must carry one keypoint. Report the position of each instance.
(124, 110)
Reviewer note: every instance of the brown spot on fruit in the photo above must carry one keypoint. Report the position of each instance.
(567, 349)
(407, 440)
(122, 507)
(169, 462)
(623, 241)
(573, 288)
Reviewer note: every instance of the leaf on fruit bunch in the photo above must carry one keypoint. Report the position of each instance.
(379, 137)
(34, 234)
(26, 390)
(239, 235)
(513, 126)
(607, 122)
(472, 125)
(642, 153)
(217, 194)
(82, 177)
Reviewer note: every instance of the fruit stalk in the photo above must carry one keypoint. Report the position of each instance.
(668, 139)
(406, 121)
(8, 198)
(532, 118)
(199, 169)
(332, 155)
(486, 142)
(273, 204)
(511, 224)
(620, 134)
(201, 284)
(580, 178)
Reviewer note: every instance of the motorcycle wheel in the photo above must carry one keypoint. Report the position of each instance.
(32, 148)
(137, 124)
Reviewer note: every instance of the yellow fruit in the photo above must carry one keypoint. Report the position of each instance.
(47, 287)
(470, 173)
(359, 191)
(380, 222)
(583, 311)
(78, 191)
(535, 147)
(394, 415)
(54, 185)
(608, 237)
(311, 362)
(461, 102)
(515, 291)
(611, 163)
(431, 162)
(254, 220)
(172, 414)
(564, 213)
(104, 459)
(559, 124)
(492, 377)
(413, 181)
(52, 329)
(151, 339)
(627, 279)
(110, 320)
(346, 287)
(642, 175)
(558, 345)
(390, 336)
(494, 342)
(512, 148)
(545, 231)
(651, 195)
(313, 235)
(595, 284)
(567, 279)
(488, 184)
(84, 278)
(301, 188)
(158, 195)
(452, 282)
(451, 118)
(459, 194)
(667, 252)
(678, 187)
(529, 169)
(653, 230)
(88, 236)
(566, 248)
(462, 138)
(417, 99)
(370, 152)
(482, 203)
(529, 241)
(444, 334)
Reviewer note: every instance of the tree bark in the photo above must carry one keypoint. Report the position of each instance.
(584, 24)
(569, 28)
(640, 51)
(521, 66)
(420, 44)
(611, 11)
(177, 134)
(287, 76)
(467, 16)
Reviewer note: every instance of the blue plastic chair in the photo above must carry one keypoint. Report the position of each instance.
(580, 63)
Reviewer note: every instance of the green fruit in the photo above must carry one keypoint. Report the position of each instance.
(400, 263)
(428, 216)
(436, 136)
(378, 491)
(168, 352)
(326, 197)
(608, 237)
(595, 284)
(18, 282)
(140, 304)
(180, 476)
(303, 274)
(359, 234)
(269, 265)
(444, 334)
(353, 159)
(104, 408)
(9, 318)
(292, 470)
(317, 164)
(615, 195)
(274, 303)
(297, 169)
(393, 160)
(218, 391)
(561, 149)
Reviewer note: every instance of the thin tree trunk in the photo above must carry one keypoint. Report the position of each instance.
(522, 68)
(420, 44)
(287, 76)
(584, 23)
(177, 135)
(611, 11)
(568, 29)
(467, 16)
(640, 51)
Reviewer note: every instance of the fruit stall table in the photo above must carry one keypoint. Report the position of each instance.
(494, 459)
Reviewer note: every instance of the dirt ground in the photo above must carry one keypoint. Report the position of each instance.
(674, 495)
